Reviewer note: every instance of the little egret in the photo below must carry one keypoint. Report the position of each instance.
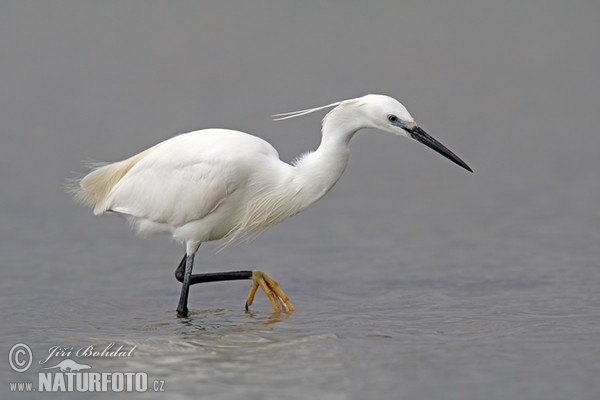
(218, 183)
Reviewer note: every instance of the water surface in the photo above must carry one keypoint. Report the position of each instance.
(412, 278)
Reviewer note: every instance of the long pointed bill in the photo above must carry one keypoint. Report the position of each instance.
(420, 135)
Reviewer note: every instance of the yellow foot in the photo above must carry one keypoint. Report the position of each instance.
(278, 298)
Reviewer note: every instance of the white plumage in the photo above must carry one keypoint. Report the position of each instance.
(217, 183)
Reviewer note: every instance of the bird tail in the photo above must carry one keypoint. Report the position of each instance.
(93, 189)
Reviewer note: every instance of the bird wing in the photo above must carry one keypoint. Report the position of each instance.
(187, 177)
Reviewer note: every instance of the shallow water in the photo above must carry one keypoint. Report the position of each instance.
(412, 278)
(478, 318)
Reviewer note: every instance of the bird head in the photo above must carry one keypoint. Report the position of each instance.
(389, 115)
(380, 112)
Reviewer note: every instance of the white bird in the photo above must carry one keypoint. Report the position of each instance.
(216, 184)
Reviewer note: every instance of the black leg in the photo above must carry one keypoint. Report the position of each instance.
(210, 276)
(182, 310)
(184, 275)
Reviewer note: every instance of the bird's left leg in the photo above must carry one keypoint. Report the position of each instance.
(279, 300)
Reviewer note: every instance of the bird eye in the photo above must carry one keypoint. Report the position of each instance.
(392, 118)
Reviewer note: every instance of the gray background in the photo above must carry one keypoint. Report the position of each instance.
(412, 278)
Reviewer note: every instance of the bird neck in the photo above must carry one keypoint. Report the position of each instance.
(308, 179)
(316, 172)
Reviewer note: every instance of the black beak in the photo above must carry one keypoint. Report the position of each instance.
(420, 135)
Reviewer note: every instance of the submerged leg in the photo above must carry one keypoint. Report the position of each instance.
(182, 309)
(279, 300)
